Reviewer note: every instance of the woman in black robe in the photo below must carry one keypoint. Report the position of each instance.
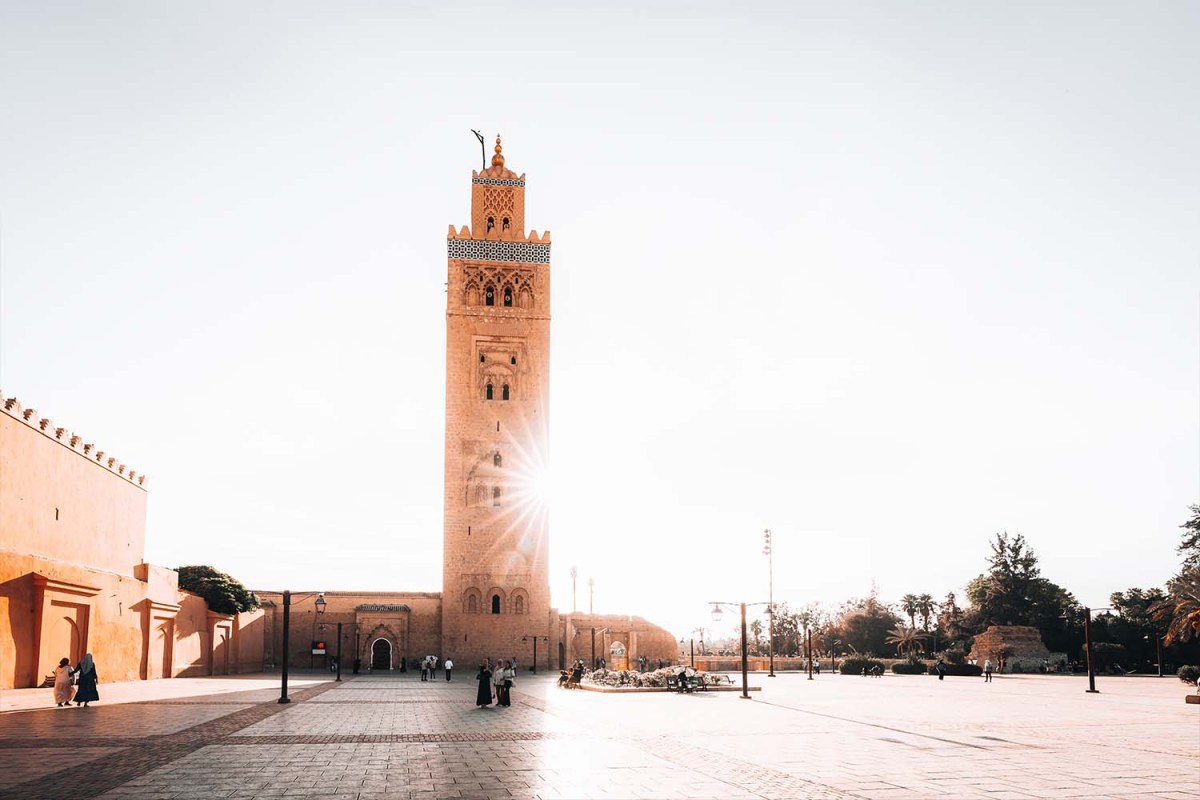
(85, 682)
(483, 698)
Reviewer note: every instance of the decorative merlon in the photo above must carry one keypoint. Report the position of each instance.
(44, 426)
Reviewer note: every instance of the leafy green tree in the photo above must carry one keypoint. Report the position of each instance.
(1013, 592)
(224, 594)
(756, 634)
(864, 625)
(787, 631)
(950, 622)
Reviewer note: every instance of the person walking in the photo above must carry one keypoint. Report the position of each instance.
(987, 671)
(940, 669)
(498, 682)
(86, 679)
(483, 697)
(449, 669)
(510, 677)
(64, 683)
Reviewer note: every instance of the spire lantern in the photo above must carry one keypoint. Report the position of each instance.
(498, 159)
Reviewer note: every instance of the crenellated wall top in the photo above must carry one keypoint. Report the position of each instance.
(12, 407)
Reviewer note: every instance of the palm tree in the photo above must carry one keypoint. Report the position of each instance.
(908, 604)
(1182, 607)
(756, 630)
(905, 639)
(926, 608)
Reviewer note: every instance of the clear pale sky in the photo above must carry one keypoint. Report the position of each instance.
(886, 278)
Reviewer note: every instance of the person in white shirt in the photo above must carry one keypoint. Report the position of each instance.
(449, 669)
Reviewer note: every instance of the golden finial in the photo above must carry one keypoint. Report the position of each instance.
(498, 159)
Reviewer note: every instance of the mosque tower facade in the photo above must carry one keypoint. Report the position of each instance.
(495, 582)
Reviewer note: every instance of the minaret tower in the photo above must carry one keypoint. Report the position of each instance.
(495, 582)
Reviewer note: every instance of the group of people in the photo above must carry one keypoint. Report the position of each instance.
(571, 679)
(496, 680)
(76, 684)
(429, 668)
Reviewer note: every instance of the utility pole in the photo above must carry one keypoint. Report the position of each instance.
(591, 594)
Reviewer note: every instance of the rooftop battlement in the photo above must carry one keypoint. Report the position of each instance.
(29, 416)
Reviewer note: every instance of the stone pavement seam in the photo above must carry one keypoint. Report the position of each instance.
(880, 726)
(141, 756)
(770, 784)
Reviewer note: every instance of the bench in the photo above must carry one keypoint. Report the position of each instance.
(720, 680)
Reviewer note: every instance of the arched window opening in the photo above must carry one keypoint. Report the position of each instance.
(472, 605)
(495, 497)
(482, 358)
(491, 223)
(504, 392)
(489, 391)
(496, 460)
(519, 605)
(489, 296)
(495, 604)
(504, 224)
(513, 361)
(508, 297)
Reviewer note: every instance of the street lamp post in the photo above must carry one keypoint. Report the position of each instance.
(339, 647)
(594, 632)
(768, 551)
(1087, 644)
(287, 619)
(1087, 640)
(808, 639)
(529, 636)
(716, 615)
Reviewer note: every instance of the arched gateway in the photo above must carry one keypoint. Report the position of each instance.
(381, 655)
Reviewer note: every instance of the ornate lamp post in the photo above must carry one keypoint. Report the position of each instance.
(717, 613)
(535, 638)
(287, 619)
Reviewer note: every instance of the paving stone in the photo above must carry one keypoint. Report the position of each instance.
(392, 736)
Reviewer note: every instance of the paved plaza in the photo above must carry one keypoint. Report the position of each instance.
(393, 736)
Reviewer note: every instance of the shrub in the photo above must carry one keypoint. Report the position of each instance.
(855, 666)
(1189, 673)
(955, 656)
(964, 670)
(910, 667)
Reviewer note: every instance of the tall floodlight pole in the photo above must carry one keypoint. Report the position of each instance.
(769, 553)
(591, 595)
(574, 575)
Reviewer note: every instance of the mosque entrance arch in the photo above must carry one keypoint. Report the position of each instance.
(381, 655)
